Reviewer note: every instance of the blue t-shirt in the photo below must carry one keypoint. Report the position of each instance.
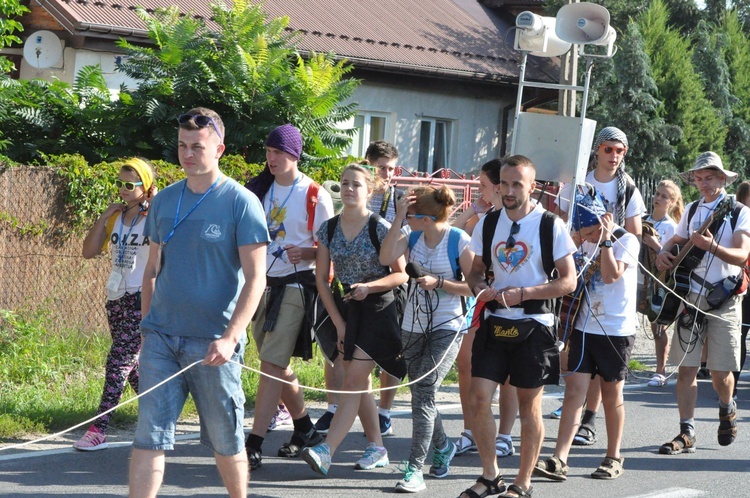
(201, 274)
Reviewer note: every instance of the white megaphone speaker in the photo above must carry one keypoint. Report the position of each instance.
(585, 23)
(536, 35)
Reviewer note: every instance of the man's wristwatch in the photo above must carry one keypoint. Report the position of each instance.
(606, 243)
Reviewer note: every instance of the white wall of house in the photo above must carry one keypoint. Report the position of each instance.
(73, 60)
(474, 122)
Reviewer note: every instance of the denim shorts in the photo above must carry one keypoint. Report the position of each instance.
(217, 392)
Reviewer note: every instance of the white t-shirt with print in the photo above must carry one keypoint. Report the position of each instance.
(610, 309)
(437, 309)
(521, 266)
(712, 269)
(635, 206)
(286, 217)
(129, 253)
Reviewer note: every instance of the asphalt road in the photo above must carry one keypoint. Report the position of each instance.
(715, 471)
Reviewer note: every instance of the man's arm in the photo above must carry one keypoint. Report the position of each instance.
(253, 260)
(149, 278)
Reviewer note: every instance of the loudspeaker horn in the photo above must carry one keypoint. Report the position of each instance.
(536, 35)
(585, 23)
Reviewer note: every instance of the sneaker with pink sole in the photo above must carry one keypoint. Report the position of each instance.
(93, 440)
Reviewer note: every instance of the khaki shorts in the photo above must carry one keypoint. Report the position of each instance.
(722, 336)
(276, 347)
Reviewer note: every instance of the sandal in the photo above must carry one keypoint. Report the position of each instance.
(551, 468)
(519, 492)
(680, 444)
(493, 487)
(610, 468)
(727, 426)
(586, 436)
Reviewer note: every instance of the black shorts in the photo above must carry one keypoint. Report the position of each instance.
(531, 363)
(606, 356)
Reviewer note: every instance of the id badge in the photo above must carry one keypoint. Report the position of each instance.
(113, 283)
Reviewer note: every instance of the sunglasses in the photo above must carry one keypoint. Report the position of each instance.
(199, 121)
(129, 186)
(514, 229)
(420, 216)
(608, 149)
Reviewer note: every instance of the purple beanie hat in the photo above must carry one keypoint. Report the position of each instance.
(286, 138)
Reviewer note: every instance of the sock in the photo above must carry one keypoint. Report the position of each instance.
(730, 407)
(332, 408)
(504, 436)
(303, 424)
(384, 412)
(254, 442)
(687, 426)
(468, 433)
(589, 419)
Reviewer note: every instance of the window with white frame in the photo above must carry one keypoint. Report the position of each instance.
(370, 127)
(434, 144)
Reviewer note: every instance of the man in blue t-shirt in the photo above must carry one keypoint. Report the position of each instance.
(204, 279)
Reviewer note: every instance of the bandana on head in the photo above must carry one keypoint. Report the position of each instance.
(143, 170)
(610, 134)
(588, 208)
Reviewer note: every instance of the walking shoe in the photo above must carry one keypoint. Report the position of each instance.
(557, 413)
(93, 440)
(319, 458)
(504, 447)
(441, 460)
(293, 448)
(465, 443)
(386, 429)
(658, 380)
(372, 458)
(254, 458)
(281, 417)
(324, 423)
(413, 480)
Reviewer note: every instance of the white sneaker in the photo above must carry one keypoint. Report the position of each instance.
(504, 447)
(413, 480)
(658, 380)
(372, 458)
(93, 440)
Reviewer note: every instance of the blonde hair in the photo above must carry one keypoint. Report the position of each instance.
(677, 207)
(433, 201)
(365, 170)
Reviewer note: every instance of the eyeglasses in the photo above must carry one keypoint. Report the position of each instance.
(420, 216)
(129, 186)
(514, 229)
(608, 149)
(199, 120)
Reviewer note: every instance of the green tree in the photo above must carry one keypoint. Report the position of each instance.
(248, 70)
(627, 98)
(9, 9)
(680, 87)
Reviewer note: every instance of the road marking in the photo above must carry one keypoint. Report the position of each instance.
(672, 493)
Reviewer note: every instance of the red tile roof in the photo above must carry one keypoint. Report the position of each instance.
(459, 38)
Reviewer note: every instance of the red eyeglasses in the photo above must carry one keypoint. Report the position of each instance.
(608, 149)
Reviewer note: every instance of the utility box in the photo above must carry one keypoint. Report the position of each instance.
(552, 143)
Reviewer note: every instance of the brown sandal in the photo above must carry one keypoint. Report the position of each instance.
(610, 468)
(727, 426)
(680, 444)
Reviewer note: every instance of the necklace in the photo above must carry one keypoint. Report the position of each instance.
(350, 230)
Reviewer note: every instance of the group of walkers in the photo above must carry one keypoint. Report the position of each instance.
(404, 291)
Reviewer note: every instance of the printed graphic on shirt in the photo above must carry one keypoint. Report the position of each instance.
(276, 229)
(212, 232)
(511, 259)
(127, 248)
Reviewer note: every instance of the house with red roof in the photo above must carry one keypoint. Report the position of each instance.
(439, 77)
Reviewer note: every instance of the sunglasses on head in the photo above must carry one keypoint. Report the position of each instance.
(514, 229)
(608, 149)
(199, 120)
(420, 216)
(130, 186)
